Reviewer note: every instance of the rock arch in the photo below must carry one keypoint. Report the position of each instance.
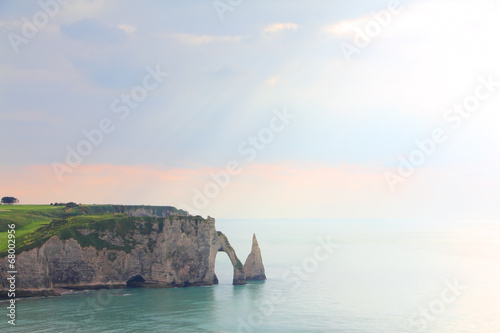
(222, 245)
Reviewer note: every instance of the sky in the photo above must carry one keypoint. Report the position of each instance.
(254, 109)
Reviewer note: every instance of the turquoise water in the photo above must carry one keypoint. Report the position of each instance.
(378, 276)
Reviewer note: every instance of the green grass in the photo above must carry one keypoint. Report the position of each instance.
(34, 227)
(27, 218)
(35, 224)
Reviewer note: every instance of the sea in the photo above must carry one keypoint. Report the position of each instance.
(340, 275)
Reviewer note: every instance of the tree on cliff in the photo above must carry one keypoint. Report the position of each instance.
(9, 200)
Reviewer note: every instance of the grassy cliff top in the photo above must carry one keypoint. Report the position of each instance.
(35, 224)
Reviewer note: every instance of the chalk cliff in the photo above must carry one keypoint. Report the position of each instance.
(168, 251)
(254, 268)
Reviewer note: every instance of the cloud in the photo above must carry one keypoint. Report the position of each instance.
(106, 183)
(129, 29)
(346, 28)
(93, 30)
(97, 184)
(280, 27)
(77, 10)
(272, 81)
(197, 40)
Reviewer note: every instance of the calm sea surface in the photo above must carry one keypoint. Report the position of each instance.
(371, 276)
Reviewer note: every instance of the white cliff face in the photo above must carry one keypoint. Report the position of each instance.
(171, 252)
(254, 268)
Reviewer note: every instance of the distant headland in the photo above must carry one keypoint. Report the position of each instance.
(70, 246)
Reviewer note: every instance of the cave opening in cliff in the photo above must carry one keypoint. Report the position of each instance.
(136, 282)
(223, 268)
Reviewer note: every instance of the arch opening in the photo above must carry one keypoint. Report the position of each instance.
(223, 268)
